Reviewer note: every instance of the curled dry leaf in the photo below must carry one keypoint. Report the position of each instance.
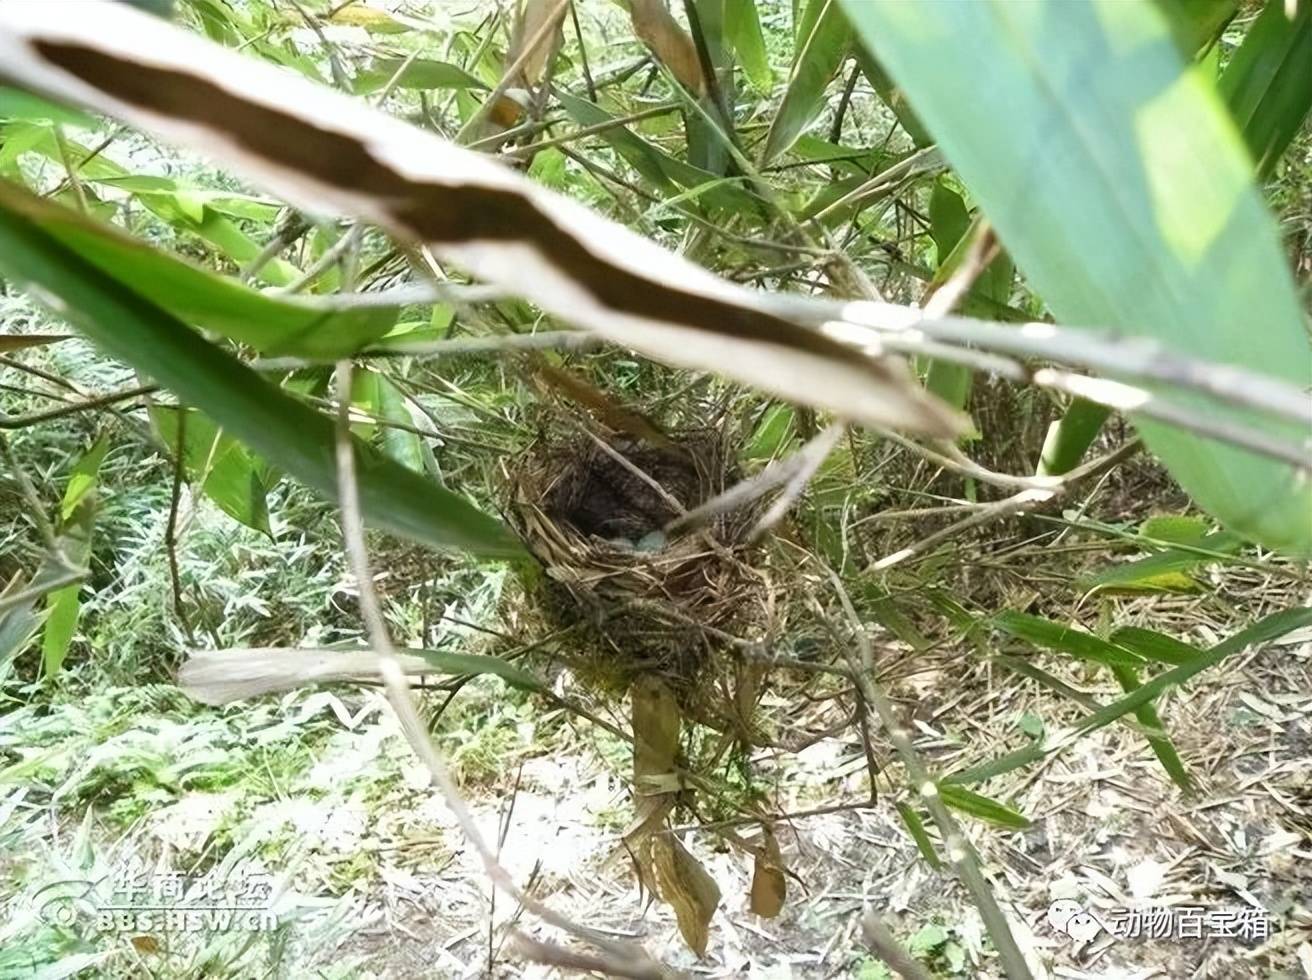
(539, 24)
(533, 43)
(669, 42)
(221, 676)
(687, 888)
(769, 886)
(323, 151)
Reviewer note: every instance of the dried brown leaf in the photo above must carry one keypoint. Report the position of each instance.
(669, 42)
(687, 888)
(535, 18)
(769, 886)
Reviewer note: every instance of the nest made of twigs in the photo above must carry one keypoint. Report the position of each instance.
(594, 511)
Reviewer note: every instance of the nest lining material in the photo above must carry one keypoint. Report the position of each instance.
(597, 528)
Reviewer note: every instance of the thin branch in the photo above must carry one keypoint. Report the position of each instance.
(1107, 352)
(349, 239)
(549, 24)
(171, 530)
(814, 454)
(960, 853)
(583, 52)
(23, 421)
(884, 944)
(1024, 500)
(601, 127)
(637, 963)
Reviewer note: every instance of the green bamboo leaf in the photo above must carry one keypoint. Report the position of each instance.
(742, 27)
(1125, 195)
(916, 828)
(1167, 571)
(665, 172)
(17, 104)
(76, 518)
(1045, 633)
(422, 73)
(1263, 631)
(982, 807)
(776, 430)
(271, 325)
(1198, 23)
(1158, 740)
(1152, 645)
(955, 235)
(382, 399)
(190, 213)
(824, 39)
(230, 475)
(83, 478)
(1268, 83)
(273, 424)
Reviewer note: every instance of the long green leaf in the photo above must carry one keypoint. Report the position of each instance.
(982, 807)
(302, 440)
(1268, 83)
(824, 39)
(1054, 636)
(230, 475)
(1152, 645)
(271, 325)
(1198, 23)
(422, 73)
(1124, 193)
(76, 518)
(1167, 570)
(955, 234)
(916, 828)
(742, 27)
(1263, 631)
(381, 399)
(1158, 740)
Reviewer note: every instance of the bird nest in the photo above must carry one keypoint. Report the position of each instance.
(596, 513)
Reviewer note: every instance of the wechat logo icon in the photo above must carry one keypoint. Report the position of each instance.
(1068, 917)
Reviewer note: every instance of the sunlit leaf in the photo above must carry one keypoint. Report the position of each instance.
(1124, 194)
(982, 807)
(742, 28)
